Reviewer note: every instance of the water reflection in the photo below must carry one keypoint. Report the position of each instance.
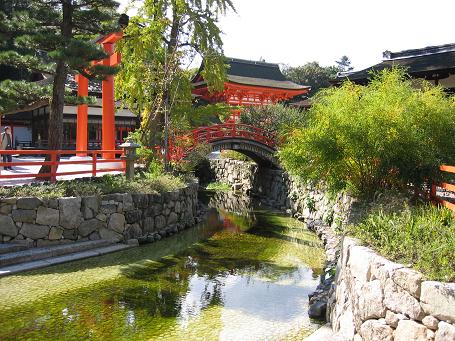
(237, 277)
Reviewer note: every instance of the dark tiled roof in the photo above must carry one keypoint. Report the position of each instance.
(254, 73)
(425, 63)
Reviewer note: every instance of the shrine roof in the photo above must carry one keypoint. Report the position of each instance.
(253, 73)
(427, 62)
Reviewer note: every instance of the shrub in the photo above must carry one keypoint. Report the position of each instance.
(232, 154)
(385, 135)
(142, 183)
(423, 236)
(197, 155)
(275, 118)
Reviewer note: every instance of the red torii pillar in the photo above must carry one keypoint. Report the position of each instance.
(108, 103)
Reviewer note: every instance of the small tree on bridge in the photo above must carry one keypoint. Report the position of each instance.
(164, 36)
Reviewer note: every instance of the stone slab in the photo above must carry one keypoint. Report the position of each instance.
(10, 270)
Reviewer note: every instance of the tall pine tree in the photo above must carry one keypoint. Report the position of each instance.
(56, 37)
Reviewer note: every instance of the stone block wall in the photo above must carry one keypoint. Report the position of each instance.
(239, 174)
(322, 212)
(115, 217)
(376, 299)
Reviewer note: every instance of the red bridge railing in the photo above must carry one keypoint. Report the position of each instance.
(183, 144)
(56, 161)
(450, 204)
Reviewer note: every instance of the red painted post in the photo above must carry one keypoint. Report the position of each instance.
(433, 191)
(108, 110)
(53, 165)
(94, 164)
(82, 116)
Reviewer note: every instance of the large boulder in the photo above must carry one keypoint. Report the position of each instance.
(371, 301)
(409, 330)
(116, 222)
(409, 280)
(90, 206)
(28, 203)
(24, 216)
(89, 226)
(110, 235)
(34, 231)
(376, 330)
(47, 216)
(445, 332)
(148, 224)
(7, 226)
(70, 212)
(160, 222)
(172, 219)
(55, 233)
(400, 301)
(438, 299)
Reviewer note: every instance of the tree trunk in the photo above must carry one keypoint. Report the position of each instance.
(55, 134)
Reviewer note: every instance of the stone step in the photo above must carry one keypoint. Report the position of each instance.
(13, 269)
(7, 248)
(34, 254)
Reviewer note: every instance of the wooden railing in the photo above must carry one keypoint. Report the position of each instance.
(183, 144)
(444, 185)
(55, 160)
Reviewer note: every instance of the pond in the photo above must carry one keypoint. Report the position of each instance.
(243, 274)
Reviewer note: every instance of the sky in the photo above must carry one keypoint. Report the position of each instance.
(294, 32)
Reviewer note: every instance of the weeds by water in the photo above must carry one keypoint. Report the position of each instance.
(218, 186)
(423, 236)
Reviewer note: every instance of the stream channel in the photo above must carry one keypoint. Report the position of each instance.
(243, 274)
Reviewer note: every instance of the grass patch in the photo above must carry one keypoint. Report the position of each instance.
(422, 236)
(142, 183)
(218, 186)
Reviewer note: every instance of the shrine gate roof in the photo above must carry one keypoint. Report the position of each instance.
(253, 73)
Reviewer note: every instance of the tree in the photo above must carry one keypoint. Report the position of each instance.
(387, 134)
(159, 41)
(344, 64)
(277, 118)
(311, 74)
(16, 86)
(56, 37)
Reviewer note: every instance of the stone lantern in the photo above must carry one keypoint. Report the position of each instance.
(129, 155)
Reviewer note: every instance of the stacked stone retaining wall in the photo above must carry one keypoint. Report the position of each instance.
(114, 217)
(239, 174)
(371, 298)
(376, 299)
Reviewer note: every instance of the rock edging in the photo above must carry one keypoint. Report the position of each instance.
(115, 217)
(377, 299)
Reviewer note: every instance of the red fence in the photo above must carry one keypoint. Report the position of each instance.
(444, 185)
(56, 161)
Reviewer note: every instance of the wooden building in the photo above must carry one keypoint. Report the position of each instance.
(433, 63)
(30, 125)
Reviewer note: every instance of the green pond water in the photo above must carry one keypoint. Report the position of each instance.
(235, 277)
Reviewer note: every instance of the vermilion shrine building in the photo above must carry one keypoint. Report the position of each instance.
(250, 83)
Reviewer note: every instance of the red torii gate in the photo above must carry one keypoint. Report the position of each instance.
(108, 103)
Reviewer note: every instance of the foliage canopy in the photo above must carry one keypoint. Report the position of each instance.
(165, 36)
(388, 134)
(276, 118)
